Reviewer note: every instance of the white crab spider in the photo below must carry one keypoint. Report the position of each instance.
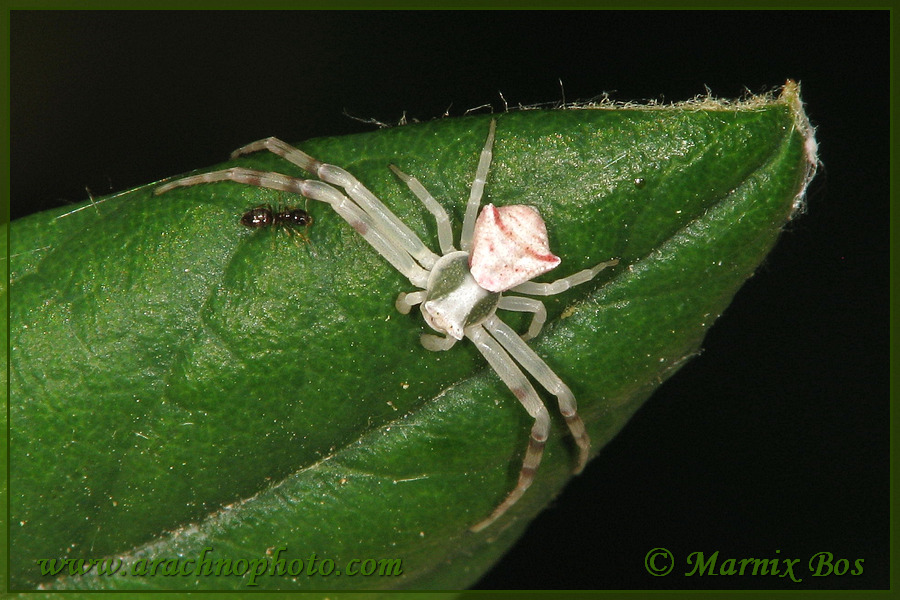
(460, 290)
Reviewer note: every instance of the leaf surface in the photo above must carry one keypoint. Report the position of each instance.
(180, 382)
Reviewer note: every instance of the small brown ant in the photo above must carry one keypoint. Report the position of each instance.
(286, 217)
(265, 216)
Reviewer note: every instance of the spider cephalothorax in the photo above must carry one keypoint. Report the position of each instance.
(500, 250)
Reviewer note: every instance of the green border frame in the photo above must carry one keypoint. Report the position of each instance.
(5, 153)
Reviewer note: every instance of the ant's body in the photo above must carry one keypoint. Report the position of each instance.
(265, 216)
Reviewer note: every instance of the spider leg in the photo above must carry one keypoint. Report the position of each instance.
(445, 231)
(382, 217)
(405, 301)
(522, 304)
(533, 363)
(513, 377)
(484, 165)
(436, 343)
(361, 221)
(561, 285)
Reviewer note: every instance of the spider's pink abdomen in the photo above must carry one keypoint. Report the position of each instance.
(509, 247)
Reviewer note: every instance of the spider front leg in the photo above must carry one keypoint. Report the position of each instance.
(519, 385)
(389, 224)
(364, 223)
(535, 365)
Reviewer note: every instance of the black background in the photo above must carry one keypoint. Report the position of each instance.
(774, 439)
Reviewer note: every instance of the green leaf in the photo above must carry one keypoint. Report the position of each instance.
(180, 382)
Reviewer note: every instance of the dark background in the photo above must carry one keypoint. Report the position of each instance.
(774, 439)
